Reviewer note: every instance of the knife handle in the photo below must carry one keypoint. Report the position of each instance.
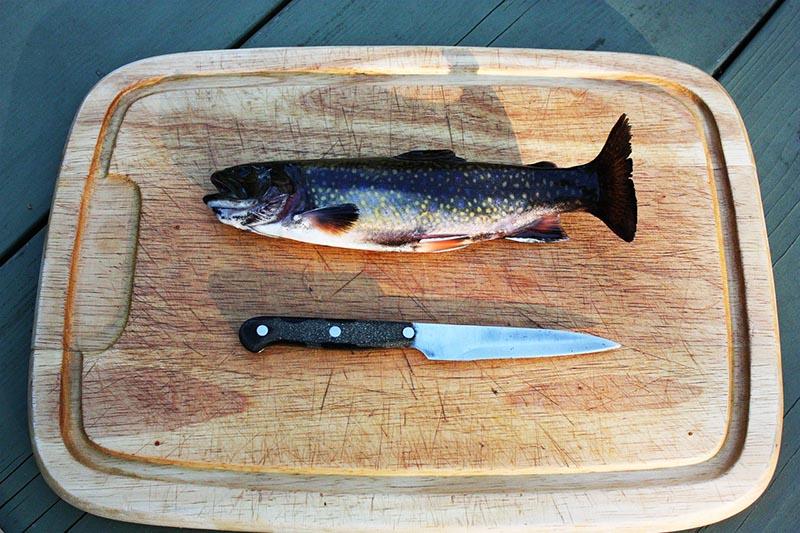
(261, 331)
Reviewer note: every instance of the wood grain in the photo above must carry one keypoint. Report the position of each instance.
(306, 412)
(386, 411)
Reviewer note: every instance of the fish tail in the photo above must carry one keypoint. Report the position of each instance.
(617, 204)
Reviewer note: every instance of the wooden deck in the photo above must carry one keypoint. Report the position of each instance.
(52, 52)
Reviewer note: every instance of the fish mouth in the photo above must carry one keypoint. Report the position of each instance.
(219, 202)
(212, 200)
(232, 193)
(227, 188)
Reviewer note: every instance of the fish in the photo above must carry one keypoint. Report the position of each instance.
(426, 200)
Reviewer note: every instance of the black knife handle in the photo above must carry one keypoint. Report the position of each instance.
(261, 331)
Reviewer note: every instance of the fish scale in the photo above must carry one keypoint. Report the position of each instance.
(447, 199)
(443, 199)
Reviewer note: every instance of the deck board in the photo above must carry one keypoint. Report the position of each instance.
(762, 80)
(664, 27)
(715, 24)
(34, 501)
(18, 280)
(59, 515)
(368, 22)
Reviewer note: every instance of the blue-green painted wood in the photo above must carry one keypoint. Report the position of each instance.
(678, 29)
(568, 25)
(765, 83)
(33, 501)
(712, 29)
(18, 470)
(57, 517)
(364, 22)
(18, 281)
(53, 51)
(14, 482)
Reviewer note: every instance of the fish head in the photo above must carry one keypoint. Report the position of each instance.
(250, 195)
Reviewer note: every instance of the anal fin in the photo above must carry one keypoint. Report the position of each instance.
(444, 243)
(546, 229)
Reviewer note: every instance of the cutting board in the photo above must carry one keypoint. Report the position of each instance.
(146, 408)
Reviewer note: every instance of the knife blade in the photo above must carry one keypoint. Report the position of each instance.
(439, 342)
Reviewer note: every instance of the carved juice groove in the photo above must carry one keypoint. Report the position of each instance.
(166, 358)
(153, 92)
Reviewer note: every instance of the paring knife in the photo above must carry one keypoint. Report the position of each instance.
(439, 342)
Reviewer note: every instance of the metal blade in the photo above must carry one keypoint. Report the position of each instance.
(450, 342)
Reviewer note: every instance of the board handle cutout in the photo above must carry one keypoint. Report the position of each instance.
(103, 273)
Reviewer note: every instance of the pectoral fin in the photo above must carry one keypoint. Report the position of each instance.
(546, 229)
(334, 219)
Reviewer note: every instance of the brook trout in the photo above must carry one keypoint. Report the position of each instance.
(426, 200)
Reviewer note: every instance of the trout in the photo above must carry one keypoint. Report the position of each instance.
(426, 200)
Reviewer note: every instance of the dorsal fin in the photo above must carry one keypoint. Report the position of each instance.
(543, 164)
(442, 156)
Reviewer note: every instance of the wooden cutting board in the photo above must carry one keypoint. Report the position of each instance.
(146, 408)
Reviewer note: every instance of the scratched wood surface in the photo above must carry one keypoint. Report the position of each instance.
(156, 392)
(178, 377)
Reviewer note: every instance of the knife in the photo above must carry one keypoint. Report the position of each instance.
(439, 342)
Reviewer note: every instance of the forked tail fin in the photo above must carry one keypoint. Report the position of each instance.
(617, 204)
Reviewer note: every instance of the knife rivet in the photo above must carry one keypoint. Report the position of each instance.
(335, 331)
(408, 332)
(262, 330)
